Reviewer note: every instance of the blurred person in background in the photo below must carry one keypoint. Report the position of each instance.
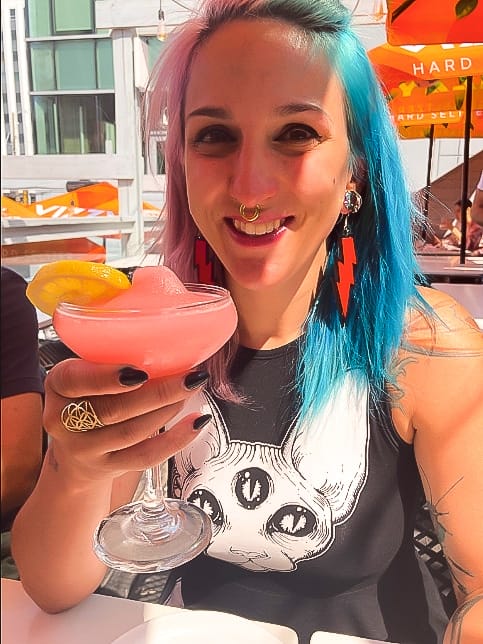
(477, 209)
(22, 389)
(474, 231)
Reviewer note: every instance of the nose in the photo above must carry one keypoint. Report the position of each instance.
(253, 179)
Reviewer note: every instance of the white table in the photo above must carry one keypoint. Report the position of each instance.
(447, 268)
(464, 282)
(100, 619)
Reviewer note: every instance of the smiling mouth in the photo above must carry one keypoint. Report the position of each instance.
(257, 229)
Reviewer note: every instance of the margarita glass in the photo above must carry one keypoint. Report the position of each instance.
(162, 333)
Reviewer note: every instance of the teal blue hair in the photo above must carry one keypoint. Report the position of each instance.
(386, 273)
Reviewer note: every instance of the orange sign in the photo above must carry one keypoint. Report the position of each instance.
(448, 129)
(428, 62)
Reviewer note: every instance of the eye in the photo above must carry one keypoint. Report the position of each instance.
(298, 137)
(214, 140)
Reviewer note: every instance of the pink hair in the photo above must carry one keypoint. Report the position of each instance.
(164, 104)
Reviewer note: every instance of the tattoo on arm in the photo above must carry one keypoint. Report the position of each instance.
(457, 572)
(454, 569)
(398, 368)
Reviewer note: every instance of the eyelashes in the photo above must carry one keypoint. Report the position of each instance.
(213, 135)
(292, 138)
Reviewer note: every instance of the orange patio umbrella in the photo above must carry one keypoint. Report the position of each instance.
(441, 85)
(413, 22)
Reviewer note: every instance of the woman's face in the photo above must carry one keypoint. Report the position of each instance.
(265, 124)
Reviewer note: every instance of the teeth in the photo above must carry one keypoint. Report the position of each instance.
(252, 228)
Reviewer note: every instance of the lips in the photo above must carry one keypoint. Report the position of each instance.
(257, 229)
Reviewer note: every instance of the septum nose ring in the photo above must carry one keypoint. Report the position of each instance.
(249, 218)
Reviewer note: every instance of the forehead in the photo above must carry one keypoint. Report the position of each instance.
(266, 57)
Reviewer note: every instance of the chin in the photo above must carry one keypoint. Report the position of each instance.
(258, 280)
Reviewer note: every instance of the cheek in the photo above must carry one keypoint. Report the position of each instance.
(202, 185)
(321, 196)
(322, 179)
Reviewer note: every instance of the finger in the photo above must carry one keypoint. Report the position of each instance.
(160, 448)
(109, 408)
(74, 378)
(135, 430)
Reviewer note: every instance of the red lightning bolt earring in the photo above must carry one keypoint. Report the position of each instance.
(202, 261)
(347, 253)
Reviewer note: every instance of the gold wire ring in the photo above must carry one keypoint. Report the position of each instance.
(80, 417)
(256, 213)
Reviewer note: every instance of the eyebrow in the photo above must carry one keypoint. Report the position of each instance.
(297, 108)
(214, 112)
(283, 110)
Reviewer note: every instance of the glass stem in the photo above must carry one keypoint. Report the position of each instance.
(154, 515)
(153, 495)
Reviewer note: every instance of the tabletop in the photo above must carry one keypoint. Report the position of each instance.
(449, 269)
(100, 619)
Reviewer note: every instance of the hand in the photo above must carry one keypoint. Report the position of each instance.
(130, 414)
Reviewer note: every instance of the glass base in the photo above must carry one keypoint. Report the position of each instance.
(139, 538)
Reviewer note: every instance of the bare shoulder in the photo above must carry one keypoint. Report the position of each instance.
(446, 326)
(439, 368)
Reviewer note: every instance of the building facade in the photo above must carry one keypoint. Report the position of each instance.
(58, 93)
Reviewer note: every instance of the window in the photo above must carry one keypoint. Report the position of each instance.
(57, 17)
(78, 55)
(52, 64)
(42, 66)
(104, 64)
(73, 16)
(39, 18)
(74, 124)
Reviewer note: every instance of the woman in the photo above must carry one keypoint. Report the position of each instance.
(344, 379)
(453, 231)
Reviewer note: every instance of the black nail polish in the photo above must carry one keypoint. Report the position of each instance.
(202, 421)
(195, 379)
(130, 377)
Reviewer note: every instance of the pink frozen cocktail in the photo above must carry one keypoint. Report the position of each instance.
(159, 324)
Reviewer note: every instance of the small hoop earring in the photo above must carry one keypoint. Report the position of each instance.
(352, 201)
(256, 213)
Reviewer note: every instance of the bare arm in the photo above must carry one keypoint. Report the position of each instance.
(477, 208)
(21, 449)
(86, 474)
(445, 391)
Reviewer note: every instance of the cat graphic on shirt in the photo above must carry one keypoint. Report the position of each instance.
(272, 506)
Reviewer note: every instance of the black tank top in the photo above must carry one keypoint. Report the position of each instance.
(312, 525)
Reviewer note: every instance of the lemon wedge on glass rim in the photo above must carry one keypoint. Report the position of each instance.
(75, 282)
